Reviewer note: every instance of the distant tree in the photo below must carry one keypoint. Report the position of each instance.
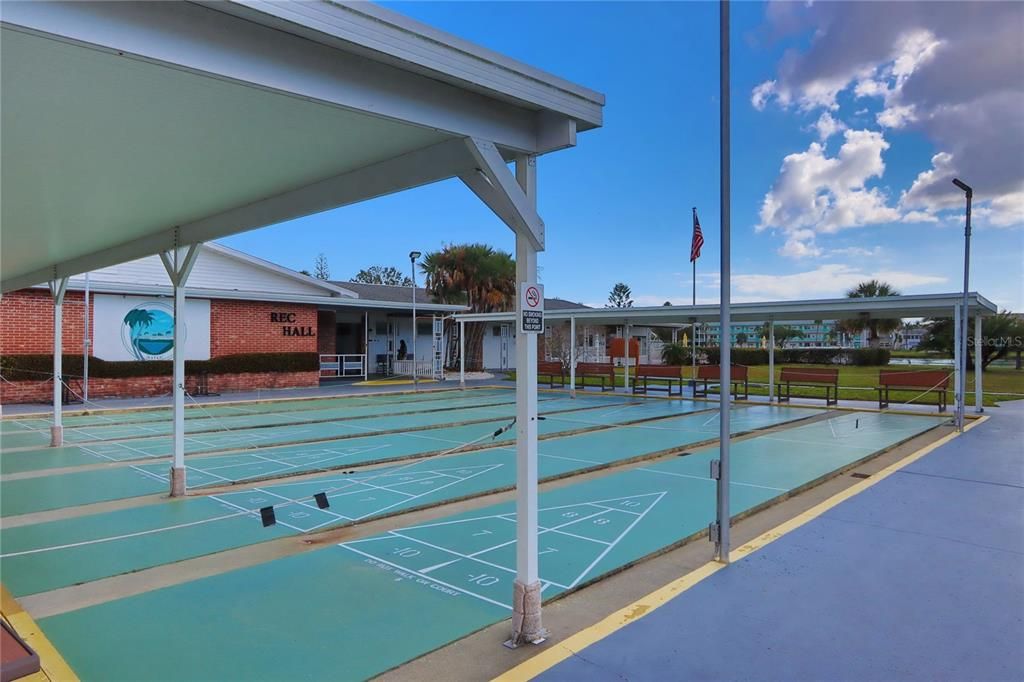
(675, 354)
(320, 268)
(307, 273)
(380, 274)
(742, 338)
(876, 327)
(620, 296)
(782, 334)
(666, 303)
(476, 275)
(1000, 335)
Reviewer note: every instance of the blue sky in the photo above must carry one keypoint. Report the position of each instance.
(617, 207)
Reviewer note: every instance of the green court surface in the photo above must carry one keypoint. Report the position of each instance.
(256, 437)
(46, 556)
(43, 492)
(357, 609)
(290, 414)
(194, 410)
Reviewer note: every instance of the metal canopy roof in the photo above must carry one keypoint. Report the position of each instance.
(923, 305)
(130, 128)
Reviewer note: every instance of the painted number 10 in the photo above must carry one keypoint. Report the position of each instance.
(483, 579)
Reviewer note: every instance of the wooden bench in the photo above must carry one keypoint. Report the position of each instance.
(924, 381)
(597, 370)
(739, 376)
(810, 377)
(553, 371)
(663, 375)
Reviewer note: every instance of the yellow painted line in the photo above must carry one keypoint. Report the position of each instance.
(52, 664)
(559, 651)
(391, 382)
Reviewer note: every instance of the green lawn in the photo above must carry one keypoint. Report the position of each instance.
(858, 383)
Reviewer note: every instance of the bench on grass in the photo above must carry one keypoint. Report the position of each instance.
(604, 371)
(925, 382)
(739, 376)
(663, 376)
(810, 377)
(553, 371)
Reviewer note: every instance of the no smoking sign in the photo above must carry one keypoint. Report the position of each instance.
(531, 308)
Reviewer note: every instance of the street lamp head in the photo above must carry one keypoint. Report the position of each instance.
(413, 255)
(963, 185)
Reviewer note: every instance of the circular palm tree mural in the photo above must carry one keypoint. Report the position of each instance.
(148, 330)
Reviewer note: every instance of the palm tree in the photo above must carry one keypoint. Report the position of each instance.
(877, 327)
(475, 275)
(137, 320)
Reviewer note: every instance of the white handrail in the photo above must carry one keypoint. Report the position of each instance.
(342, 365)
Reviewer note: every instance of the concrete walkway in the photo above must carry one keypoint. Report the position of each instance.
(920, 577)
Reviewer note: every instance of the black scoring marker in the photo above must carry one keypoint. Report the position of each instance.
(267, 514)
(321, 500)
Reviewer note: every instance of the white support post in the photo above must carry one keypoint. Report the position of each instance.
(625, 363)
(462, 354)
(693, 357)
(957, 395)
(771, 360)
(526, 604)
(178, 264)
(979, 395)
(58, 287)
(572, 357)
(366, 346)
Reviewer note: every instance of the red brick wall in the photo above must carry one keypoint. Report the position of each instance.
(143, 387)
(327, 332)
(26, 326)
(246, 327)
(26, 322)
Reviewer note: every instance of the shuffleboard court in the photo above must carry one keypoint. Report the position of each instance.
(242, 438)
(56, 491)
(459, 570)
(46, 556)
(96, 433)
(106, 417)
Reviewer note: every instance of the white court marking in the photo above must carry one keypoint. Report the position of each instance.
(602, 547)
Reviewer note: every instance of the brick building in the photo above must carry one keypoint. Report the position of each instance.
(249, 324)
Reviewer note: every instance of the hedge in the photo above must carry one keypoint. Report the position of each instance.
(863, 357)
(40, 366)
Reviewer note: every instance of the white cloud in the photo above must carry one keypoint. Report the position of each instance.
(950, 71)
(1007, 209)
(826, 281)
(828, 126)
(761, 94)
(896, 116)
(856, 251)
(919, 217)
(815, 193)
(800, 244)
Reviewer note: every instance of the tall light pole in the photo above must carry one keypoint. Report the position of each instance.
(413, 255)
(962, 388)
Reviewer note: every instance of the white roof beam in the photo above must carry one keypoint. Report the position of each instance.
(213, 43)
(431, 164)
(497, 187)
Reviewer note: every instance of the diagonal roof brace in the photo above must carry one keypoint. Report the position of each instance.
(496, 186)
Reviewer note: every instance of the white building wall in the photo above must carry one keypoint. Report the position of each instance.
(213, 270)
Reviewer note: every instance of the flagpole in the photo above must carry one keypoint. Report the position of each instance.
(693, 327)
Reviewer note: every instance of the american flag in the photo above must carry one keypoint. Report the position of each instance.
(698, 238)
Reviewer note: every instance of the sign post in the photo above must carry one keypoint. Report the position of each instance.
(531, 316)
